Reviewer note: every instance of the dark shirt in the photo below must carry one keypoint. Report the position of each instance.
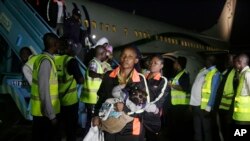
(151, 121)
(72, 29)
(105, 92)
(155, 88)
(184, 82)
(221, 90)
(73, 69)
(107, 85)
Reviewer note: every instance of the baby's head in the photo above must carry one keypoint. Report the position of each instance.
(136, 95)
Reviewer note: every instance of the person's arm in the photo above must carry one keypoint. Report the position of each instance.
(102, 94)
(247, 81)
(117, 91)
(27, 74)
(214, 87)
(184, 83)
(44, 89)
(93, 70)
(73, 69)
(162, 99)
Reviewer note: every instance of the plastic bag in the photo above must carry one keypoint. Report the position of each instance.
(94, 134)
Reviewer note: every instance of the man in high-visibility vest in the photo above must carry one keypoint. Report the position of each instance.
(45, 104)
(203, 95)
(180, 95)
(241, 114)
(92, 82)
(224, 98)
(69, 75)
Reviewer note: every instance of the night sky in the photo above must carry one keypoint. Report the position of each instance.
(195, 15)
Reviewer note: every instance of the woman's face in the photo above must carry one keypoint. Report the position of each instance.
(156, 65)
(128, 58)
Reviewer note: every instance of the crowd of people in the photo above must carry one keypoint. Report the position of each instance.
(129, 102)
(128, 105)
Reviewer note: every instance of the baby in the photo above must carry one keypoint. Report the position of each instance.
(112, 111)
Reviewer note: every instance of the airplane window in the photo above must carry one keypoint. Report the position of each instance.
(113, 28)
(93, 24)
(169, 40)
(101, 25)
(191, 44)
(86, 23)
(182, 43)
(136, 33)
(166, 39)
(125, 31)
(148, 35)
(161, 38)
(175, 42)
(156, 37)
(107, 27)
(145, 35)
(172, 41)
(140, 34)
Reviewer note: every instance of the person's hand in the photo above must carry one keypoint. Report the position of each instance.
(151, 108)
(96, 121)
(119, 106)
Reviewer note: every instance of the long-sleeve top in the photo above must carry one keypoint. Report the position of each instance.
(214, 87)
(27, 73)
(195, 99)
(156, 86)
(110, 80)
(246, 86)
(44, 88)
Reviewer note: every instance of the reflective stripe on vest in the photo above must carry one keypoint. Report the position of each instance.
(36, 104)
(179, 97)
(91, 86)
(66, 82)
(228, 92)
(242, 103)
(206, 88)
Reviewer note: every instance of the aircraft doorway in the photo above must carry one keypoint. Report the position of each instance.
(168, 70)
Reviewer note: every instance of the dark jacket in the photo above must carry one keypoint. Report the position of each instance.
(110, 80)
(72, 30)
(152, 121)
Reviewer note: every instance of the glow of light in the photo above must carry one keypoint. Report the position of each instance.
(93, 36)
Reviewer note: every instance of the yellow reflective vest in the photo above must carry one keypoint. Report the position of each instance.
(66, 82)
(179, 97)
(91, 86)
(206, 88)
(242, 103)
(36, 104)
(31, 61)
(228, 92)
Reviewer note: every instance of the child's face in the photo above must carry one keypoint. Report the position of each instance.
(138, 97)
(119, 106)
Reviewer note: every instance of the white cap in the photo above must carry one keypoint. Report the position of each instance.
(101, 41)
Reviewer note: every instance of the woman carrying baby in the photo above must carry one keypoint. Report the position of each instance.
(122, 75)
